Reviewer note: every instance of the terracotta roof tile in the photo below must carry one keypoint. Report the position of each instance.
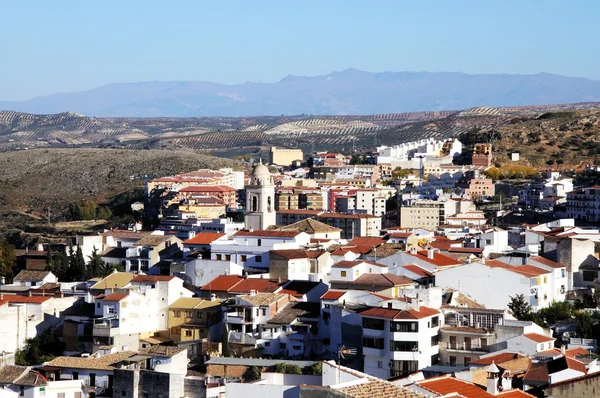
(291, 254)
(538, 338)
(498, 359)
(367, 241)
(115, 297)
(25, 299)
(389, 313)
(310, 226)
(203, 238)
(449, 385)
(30, 275)
(333, 294)
(104, 362)
(222, 283)
(350, 264)
(545, 261)
(382, 280)
(260, 285)
(262, 299)
(375, 388)
(415, 269)
(537, 373)
(439, 260)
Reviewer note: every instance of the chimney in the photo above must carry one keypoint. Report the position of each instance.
(563, 350)
(213, 297)
(482, 261)
(430, 253)
(252, 293)
(413, 250)
(493, 376)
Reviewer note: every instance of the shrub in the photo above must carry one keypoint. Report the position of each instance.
(316, 369)
(253, 373)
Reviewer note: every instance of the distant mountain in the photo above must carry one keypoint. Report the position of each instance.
(349, 92)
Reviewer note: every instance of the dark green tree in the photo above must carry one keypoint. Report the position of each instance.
(7, 260)
(225, 350)
(95, 265)
(107, 268)
(519, 307)
(42, 348)
(253, 373)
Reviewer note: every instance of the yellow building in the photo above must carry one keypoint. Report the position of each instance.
(191, 318)
(285, 156)
(204, 208)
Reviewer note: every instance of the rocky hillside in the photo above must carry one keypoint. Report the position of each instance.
(35, 179)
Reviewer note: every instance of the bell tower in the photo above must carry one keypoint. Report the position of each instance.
(260, 199)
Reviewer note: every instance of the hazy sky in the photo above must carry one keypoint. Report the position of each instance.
(57, 46)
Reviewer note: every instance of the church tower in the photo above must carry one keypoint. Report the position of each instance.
(260, 199)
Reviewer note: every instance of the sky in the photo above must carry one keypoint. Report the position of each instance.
(72, 45)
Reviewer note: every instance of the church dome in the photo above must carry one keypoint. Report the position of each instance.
(261, 171)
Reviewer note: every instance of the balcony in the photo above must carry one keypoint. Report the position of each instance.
(465, 347)
(237, 317)
(105, 327)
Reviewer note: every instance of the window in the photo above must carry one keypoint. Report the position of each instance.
(296, 347)
(199, 315)
(405, 327)
(218, 257)
(467, 361)
(267, 344)
(175, 330)
(98, 305)
(257, 312)
(189, 314)
(488, 241)
(452, 361)
(188, 333)
(75, 375)
(343, 274)
(22, 392)
(404, 345)
(589, 276)
(258, 259)
(244, 257)
(435, 321)
(380, 364)
(177, 314)
(563, 273)
(356, 273)
(111, 310)
(282, 346)
(264, 311)
(228, 257)
(435, 340)
(483, 342)
(372, 342)
(376, 324)
(259, 242)
(435, 359)
(123, 393)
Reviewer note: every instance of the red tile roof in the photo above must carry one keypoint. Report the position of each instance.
(260, 285)
(448, 385)
(340, 251)
(153, 278)
(382, 280)
(443, 244)
(415, 269)
(439, 260)
(389, 313)
(576, 352)
(350, 264)
(545, 261)
(333, 294)
(25, 299)
(115, 297)
(525, 270)
(268, 234)
(473, 250)
(367, 241)
(399, 235)
(538, 338)
(203, 238)
(537, 372)
(222, 283)
(576, 365)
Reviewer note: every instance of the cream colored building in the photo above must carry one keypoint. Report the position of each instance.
(284, 156)
(422, 214)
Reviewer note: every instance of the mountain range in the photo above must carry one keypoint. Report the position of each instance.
(349, 92)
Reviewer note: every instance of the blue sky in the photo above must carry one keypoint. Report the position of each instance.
(59, 46)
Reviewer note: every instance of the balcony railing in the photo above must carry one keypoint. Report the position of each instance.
(106, 323)
(467, 347)
(236, 317)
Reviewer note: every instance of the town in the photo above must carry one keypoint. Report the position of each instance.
(411, 270)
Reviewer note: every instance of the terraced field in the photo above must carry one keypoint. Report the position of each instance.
(227, 136)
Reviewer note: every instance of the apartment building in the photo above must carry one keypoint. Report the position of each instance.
(193, 194)
(299, 264)
(422, 214)
(481, 187)
(193, 318)
(398, 342)
(144, 254)
(584, 204)
(225, 176)
(291, 198)
(251, 248)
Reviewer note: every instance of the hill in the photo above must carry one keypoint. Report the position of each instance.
(228, 136)
(348, 92)
(36, 179)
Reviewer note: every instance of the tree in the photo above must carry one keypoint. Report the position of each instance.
(316, 369)
(107, 268)
(556, 311)
(597, 291)
(95, 265)
(77, 268)
(225, 341)
(519, 307)
(42, 348)
(59, 266)
(7, 260)
(253, 373)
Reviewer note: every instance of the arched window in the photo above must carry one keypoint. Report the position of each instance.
(268, 203)
(254, 203)
(289, 202)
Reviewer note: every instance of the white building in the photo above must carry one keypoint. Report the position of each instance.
(493, 240)
(200, 272)
(251, 248)
(475, 279)
(398, 342)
